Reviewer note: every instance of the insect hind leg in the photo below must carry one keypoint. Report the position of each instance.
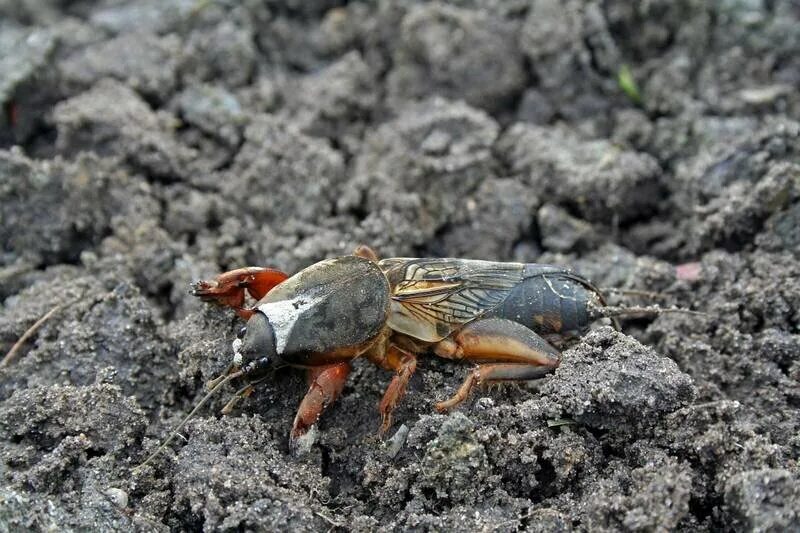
(489, 374)
(505, 351)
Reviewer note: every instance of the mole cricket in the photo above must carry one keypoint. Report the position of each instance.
(505, 318)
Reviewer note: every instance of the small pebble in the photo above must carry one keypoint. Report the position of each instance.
(118, 497)
(397, 441)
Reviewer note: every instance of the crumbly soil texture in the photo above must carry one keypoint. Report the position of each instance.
(651, 146)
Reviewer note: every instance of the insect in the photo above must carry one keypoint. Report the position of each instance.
(505, 318)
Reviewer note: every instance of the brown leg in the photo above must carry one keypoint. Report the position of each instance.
(325, 385)
(404, 363)
(493, 373)
(229, 288)
(366, 252)
(510, 351)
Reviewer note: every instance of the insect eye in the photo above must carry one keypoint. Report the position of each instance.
(241, 333)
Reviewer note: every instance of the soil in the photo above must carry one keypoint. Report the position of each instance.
(651, 146)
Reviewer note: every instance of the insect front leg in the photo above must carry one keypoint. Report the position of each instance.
(505, 350)
(229, 288)
(325, 385)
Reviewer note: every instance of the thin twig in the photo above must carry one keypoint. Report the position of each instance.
(9, 357)
(328, 519)
(518, 520)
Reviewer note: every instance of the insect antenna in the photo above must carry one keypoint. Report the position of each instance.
(634, 292)
(188, 417)
(613, 311)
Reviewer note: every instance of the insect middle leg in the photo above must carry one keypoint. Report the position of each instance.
(505, 351)
(404, 363)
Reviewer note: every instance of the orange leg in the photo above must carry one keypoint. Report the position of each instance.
(404, 364)
(366, 252)
(492, 373)
(325, 385)
(508, 351)
(228, 289)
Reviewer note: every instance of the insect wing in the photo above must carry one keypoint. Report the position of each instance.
(433, 297)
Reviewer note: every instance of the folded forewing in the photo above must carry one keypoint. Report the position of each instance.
(433, 297)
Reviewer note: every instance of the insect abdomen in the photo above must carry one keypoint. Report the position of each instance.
(548, 304)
